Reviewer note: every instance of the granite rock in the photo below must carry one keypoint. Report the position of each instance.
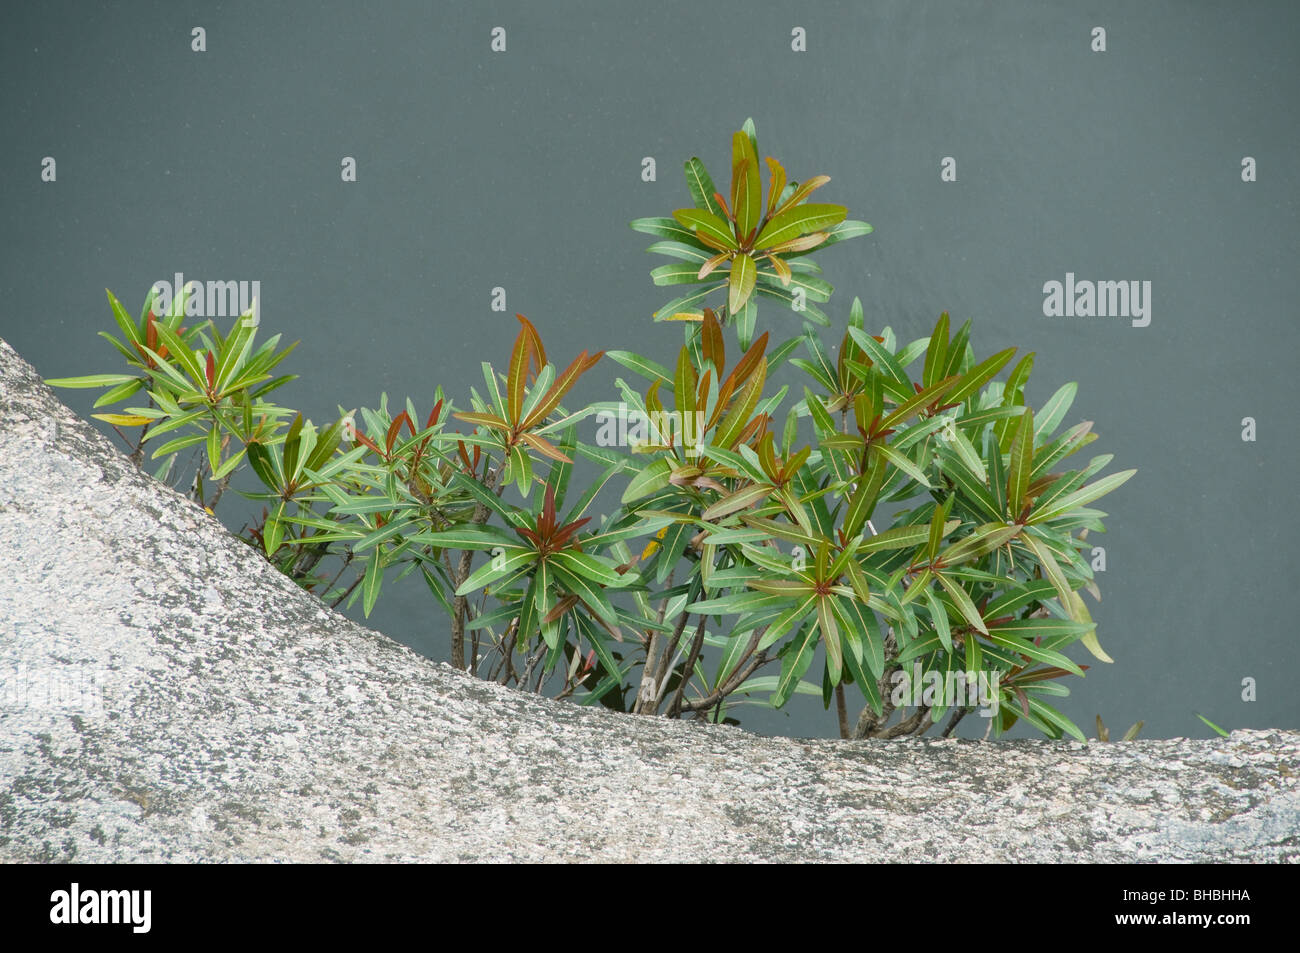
(165, 695)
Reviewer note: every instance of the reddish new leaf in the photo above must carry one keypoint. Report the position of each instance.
(567, 378)
(711, 341)
(535, 342)
(517, 375)
(747, 364)
(544, 447)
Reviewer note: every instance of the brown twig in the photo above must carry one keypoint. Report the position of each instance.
(644, 703)
(339, 601)
(738, 679)
(688, 670)
(954, 720)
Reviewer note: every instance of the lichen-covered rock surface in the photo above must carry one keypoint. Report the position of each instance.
(165, 695)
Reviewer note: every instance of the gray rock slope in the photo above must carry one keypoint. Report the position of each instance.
(167, 696)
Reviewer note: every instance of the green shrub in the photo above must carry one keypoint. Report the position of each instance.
(742, 549)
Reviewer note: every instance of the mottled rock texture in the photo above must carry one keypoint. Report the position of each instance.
(167, 696)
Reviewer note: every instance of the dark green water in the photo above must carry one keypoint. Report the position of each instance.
(521, 169)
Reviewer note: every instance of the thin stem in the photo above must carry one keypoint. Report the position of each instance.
(697, 645)
(221, 489)
(137, 454)
(917, 723)
(651, 689)
(668, 657)
(460, 605)
(739, 679)
(532, 664)
(953, 721)
(339, 601)
(347, 560)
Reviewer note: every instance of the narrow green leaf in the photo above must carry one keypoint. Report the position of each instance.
(741, 282)
(739, 602)
(678, 273)
(465, 537)
(1219, 731)
(683, 251)
(589, 567)
(747, 189)
(979, 375)
(973, 489)
(128, 326)
(830, 637)
(838, 233)
(669, 229)
(374, 579)
(801, 307)
(983, 539)
(1012, 600)
(499, 566)
(641, 365)
(963, 601)
(91, 380)
(707, 223)
(1029, 649)
(1022, 463)
(881, 357)
(585, 589)
(741, 499)
(649, 480)
(794, 664)
(1054, 410)
(939, 616)
(1081, 497)
(799, 220)
(700, 184)
(900, 537)
(936, 352)
(902, 462)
